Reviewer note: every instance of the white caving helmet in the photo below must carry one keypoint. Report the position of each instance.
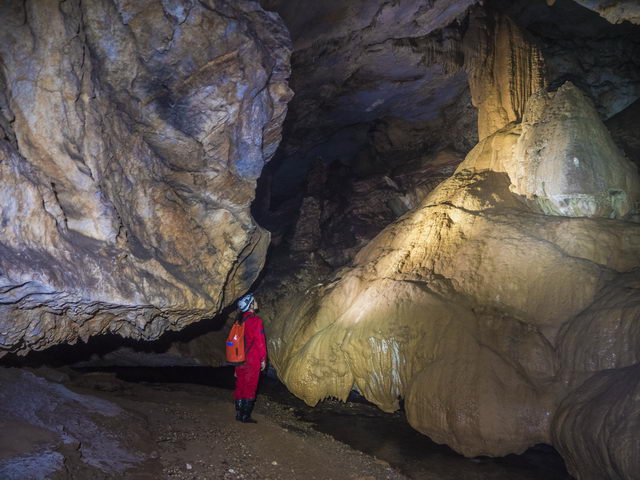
(245, 302)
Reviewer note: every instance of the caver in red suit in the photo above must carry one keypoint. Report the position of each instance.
(255, 347)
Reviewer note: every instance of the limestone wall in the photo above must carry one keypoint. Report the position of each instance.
(131, 136)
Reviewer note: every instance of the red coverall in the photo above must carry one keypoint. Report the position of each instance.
(255, 347)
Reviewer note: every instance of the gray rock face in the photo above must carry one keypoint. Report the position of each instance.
(624, 127)
(131, 136)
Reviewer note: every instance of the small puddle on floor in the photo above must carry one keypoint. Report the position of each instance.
(365, 428)
(389, 437)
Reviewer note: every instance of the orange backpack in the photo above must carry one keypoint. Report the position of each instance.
(235, 344)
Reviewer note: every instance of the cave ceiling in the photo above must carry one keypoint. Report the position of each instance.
(358, 63)
(359, 67)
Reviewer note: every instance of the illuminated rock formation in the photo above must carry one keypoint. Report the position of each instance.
(466, 307)
(455, 307)
(132, 136)
(567, 162)
(504, 69)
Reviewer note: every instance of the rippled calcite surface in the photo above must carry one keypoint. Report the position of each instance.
(456, 307)
(131, 136)
(596, 427)
(567, 161)
(504, 68)
(475, 307)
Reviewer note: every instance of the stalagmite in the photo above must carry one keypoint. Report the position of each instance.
(567, 162)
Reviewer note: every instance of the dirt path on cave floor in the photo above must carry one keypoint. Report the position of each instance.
(197, 437)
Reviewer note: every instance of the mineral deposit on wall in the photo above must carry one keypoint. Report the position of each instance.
(512, 283)
(131, 136)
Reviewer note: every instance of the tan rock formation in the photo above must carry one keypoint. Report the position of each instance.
(504, 69)
(567, 162)
(456, 307)
(596, 427)
(133, 133)
(468, 306)
(606, 335)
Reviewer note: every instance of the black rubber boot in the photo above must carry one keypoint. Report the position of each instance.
(246, 409)
(239, 410)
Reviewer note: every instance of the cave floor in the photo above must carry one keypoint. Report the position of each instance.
(194, 435)
(197, 436)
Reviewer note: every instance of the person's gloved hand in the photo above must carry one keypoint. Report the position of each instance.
(263, 365)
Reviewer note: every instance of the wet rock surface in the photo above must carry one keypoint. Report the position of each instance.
(160, 430)
(189, 431)
(51, 431)
(131, 138)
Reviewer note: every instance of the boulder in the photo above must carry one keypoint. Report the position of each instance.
(132, 135)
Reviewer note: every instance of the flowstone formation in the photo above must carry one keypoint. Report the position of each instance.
(513, 282)
(131, 137)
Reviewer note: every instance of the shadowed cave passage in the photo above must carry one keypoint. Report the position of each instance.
(435, 202)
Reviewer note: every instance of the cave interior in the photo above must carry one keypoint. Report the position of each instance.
(436, 203)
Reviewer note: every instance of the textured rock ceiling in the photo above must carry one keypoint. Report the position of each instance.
(359, 65)
(355, 63)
